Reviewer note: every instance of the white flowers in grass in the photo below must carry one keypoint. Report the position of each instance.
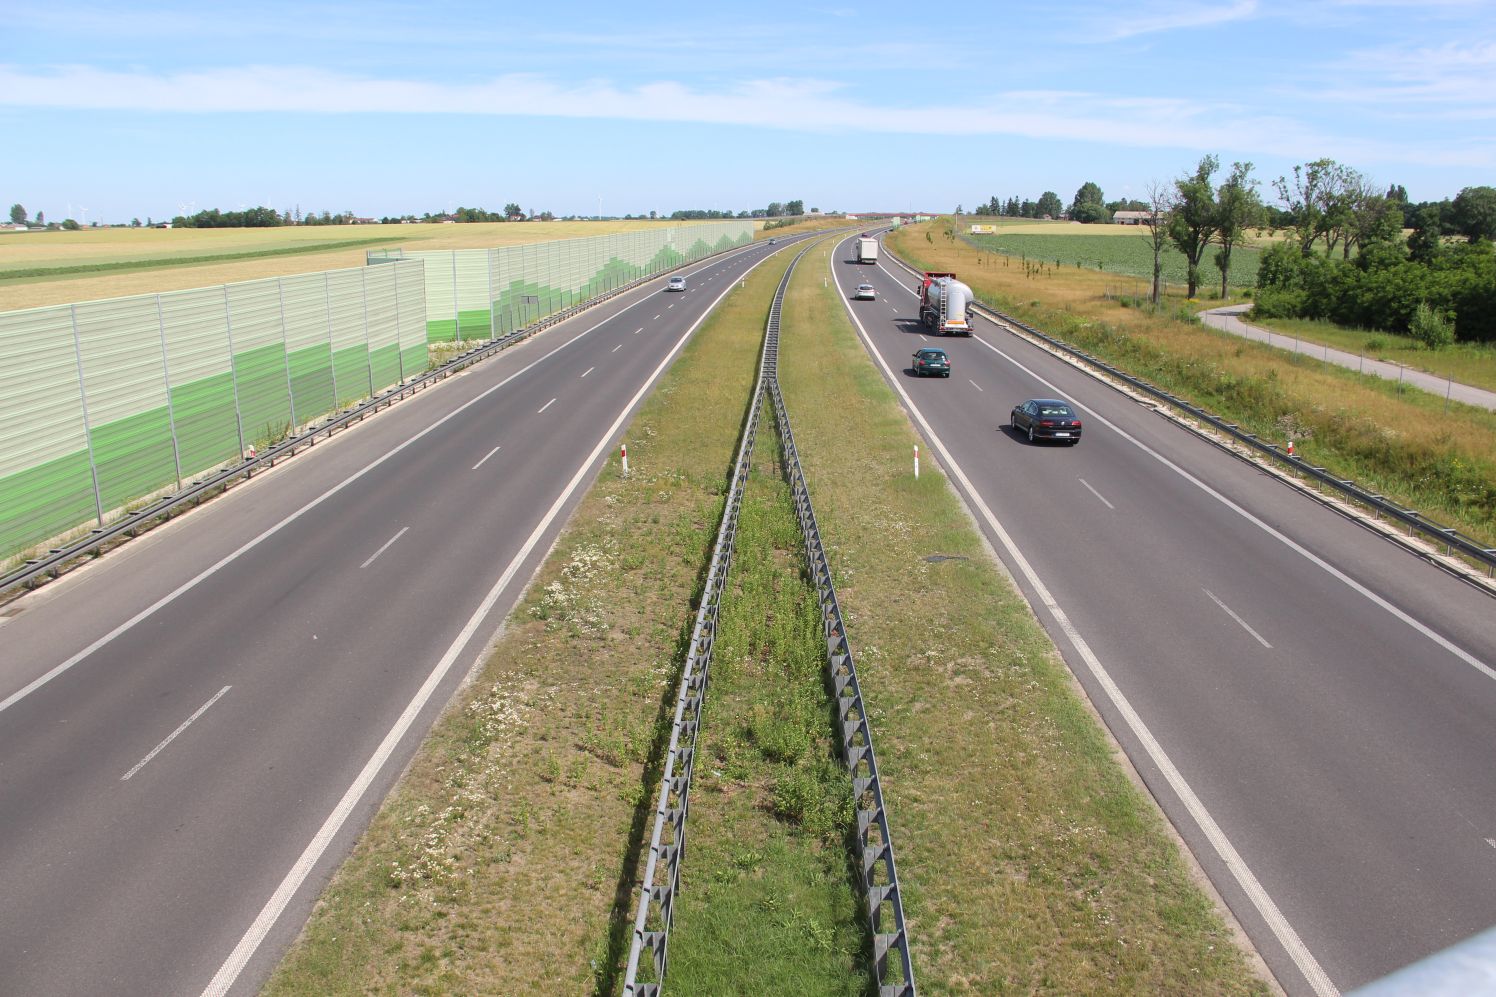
(574, 600)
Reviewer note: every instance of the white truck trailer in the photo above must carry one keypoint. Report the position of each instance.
(867, 250)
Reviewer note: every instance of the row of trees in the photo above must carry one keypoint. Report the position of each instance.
(1088, 205)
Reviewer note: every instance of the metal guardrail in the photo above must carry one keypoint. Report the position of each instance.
(877, 872)
(52, 563)
(667, 841)
(875, 863)
(1452, 539)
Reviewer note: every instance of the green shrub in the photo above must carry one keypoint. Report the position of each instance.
(1430, 328)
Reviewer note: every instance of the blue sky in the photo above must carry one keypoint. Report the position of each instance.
(112, 111)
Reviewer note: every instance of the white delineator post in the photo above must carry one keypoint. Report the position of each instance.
(623, 451)
(916, 462)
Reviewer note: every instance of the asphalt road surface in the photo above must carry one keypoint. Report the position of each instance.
(194, 728)
(1314, 708)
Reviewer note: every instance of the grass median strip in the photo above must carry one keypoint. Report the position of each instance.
(768, 901)
(507, 859)
(1029, 860)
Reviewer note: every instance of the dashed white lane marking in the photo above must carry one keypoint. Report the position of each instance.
(922, 338)
(386, 546)
(974, 384)
(1096, 493)
(589, 370)
(545, 406)
(486, 456)
(657, 318)
(641, 328)
(667, 308)
(1232, 613)
(1318, 980)
(616, 348)
(173, 735)
(224, 979)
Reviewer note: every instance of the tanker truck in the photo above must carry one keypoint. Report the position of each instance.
(945, 304)
(867, 250)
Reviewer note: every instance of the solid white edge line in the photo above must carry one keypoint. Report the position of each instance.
(397, 536)
(1096, 493)
(486, 456)
(1276, 922)
(1444, 642)
(1240, 622)
(271, 912)
(173, 735)
(545, 406)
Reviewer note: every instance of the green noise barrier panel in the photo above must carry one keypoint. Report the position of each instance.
(477, 294)
(103, 403)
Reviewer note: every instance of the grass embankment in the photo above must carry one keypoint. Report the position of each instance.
(768, 903)
(1465, 363)
(1030, 862)
(506, 861)
(1402, 444)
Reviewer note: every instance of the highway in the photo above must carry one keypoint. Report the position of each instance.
(1314, 708)
(195, 727)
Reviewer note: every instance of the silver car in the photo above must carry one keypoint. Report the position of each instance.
(675, 284)
(865, 292)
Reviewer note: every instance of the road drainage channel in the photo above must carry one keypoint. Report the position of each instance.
(874, 860)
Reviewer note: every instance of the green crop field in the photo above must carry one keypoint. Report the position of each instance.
(1130, 255)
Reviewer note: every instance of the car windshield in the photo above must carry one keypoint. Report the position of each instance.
(932, 354)
(1055, 410)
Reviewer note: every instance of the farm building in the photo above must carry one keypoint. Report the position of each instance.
(1132, 217)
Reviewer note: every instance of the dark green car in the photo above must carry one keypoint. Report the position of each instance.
(931, 361)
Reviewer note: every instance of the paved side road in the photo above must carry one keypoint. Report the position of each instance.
(1228, 319)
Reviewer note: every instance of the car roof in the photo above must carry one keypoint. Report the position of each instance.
(1050, 401)
(932, 349)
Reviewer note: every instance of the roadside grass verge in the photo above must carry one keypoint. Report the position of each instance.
(1400, 443)
(768, 903)
(1465, 363)
(507, 859)
(1029, 861)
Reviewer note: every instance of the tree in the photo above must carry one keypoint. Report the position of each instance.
(795, 208)
(1049, 205)
(1013, 208)
(1424, 243)
(17, 214)
(1160, 203)
(1193, 222)
(1304, 198)
(512, 211)
(1088, 206)
(1237, 208)
(70, 225)
(1474, 213)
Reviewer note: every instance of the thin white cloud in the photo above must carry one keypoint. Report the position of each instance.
(1454, 81)
(1130, 21)
(779, 103)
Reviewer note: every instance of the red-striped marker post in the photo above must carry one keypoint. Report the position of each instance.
(916, 462)
(623, 451)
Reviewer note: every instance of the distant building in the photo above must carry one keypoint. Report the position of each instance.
(1133, 218)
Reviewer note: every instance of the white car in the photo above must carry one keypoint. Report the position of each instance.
(865, 292)
(675, 284)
